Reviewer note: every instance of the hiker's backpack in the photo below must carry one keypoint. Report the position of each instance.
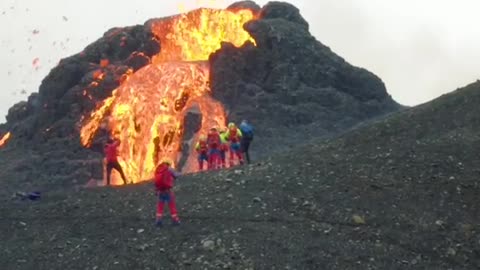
(247, 131)
(233, 135)
(163, 178)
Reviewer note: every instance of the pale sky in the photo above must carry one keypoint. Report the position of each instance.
(420, 48)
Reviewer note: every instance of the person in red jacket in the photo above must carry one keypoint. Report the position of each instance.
(214, 143)
(234, 136)
(111, 154)
(165, 177)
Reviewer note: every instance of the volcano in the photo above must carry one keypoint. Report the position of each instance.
(160, 85)
(146, 112)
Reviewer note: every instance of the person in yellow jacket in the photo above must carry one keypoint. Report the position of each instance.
(223, 148)
(234, 136)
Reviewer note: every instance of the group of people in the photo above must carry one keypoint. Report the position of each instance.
(213, 147)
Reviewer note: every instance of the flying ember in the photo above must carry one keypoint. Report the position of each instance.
(147, 111)
(5, 139)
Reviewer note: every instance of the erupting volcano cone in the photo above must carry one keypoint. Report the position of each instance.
(147, 111)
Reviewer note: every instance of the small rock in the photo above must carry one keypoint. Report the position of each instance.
(439, 223)
(358, 220)
(228, 180)
(451, 252)
(140, 230)
(238, 171)
(142, 247)
(452, 178)
(23, 223)
(229, 196)
(208, 245)
(257, 199)
(306, 203)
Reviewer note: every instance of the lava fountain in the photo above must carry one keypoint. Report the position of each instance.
(146, 112)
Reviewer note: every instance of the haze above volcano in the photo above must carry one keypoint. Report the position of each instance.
(419, 49)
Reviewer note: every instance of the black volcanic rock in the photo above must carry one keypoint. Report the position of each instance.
(192, 124)
(123, 48)
(288, 84)
(291, 82)
(245, 5)
(284, 11)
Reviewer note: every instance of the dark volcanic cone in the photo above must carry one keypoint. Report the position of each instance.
(289, 85)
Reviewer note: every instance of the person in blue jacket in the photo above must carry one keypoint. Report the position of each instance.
(247, 132)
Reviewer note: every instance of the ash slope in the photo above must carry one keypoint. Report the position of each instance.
(401, 193)
(292, 87)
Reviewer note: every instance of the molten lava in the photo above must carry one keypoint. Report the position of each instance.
(147, 111)
(5, 139)
(195, 35)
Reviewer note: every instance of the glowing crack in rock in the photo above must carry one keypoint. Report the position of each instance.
(147, 111)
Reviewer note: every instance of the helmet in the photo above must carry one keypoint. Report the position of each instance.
(231, 125)
(166, 161)
(202, 138)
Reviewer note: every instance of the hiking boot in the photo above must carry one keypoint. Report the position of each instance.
(159, 223)
(176, 222)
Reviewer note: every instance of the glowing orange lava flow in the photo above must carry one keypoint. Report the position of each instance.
(147, 111)
(5, 139)
(195, 35)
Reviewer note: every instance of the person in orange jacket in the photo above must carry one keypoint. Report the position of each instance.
(202, 149)
(164, 179)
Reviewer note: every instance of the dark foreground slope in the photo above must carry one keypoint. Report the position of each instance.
(399, 194)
